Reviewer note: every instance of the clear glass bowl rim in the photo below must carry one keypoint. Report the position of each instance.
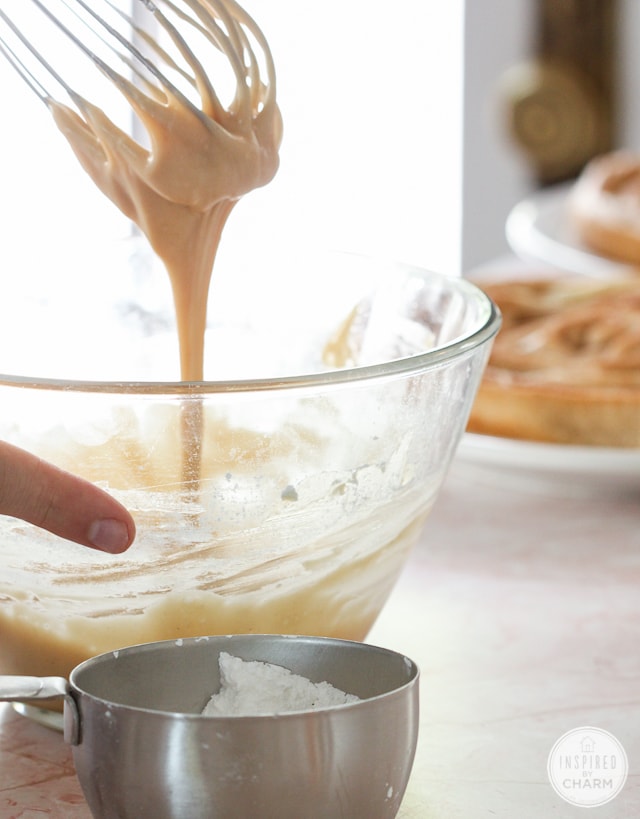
(417, 363)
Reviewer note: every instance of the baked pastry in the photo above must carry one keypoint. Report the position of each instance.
(604, 206)
(565, 366)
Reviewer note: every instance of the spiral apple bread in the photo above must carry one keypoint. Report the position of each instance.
(565, 366)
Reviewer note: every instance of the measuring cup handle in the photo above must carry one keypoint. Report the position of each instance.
(16, 688)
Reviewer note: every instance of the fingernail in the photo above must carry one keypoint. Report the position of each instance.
(109, 535)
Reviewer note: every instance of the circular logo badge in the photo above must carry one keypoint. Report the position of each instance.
(587, 767)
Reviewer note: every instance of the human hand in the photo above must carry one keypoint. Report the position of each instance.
(62, 503)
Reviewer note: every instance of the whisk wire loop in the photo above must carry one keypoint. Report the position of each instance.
(138, 63)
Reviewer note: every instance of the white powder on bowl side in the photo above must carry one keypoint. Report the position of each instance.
(252, 688)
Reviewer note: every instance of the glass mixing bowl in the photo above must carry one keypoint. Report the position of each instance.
(310, 484)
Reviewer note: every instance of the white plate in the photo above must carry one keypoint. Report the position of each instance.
(566, 470)
(538, 230)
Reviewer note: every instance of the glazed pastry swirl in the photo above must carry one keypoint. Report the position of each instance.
(604, 206)
(589, 340)
(565, 367)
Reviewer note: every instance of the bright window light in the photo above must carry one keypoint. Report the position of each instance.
(371, 95)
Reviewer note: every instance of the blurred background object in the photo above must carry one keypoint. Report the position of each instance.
(561, 104)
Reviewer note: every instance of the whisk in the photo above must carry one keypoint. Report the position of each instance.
(153, 73)
(178, 175)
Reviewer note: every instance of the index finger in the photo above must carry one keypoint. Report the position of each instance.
(66, 505)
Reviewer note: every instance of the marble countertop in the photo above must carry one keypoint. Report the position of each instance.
(521, 605)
